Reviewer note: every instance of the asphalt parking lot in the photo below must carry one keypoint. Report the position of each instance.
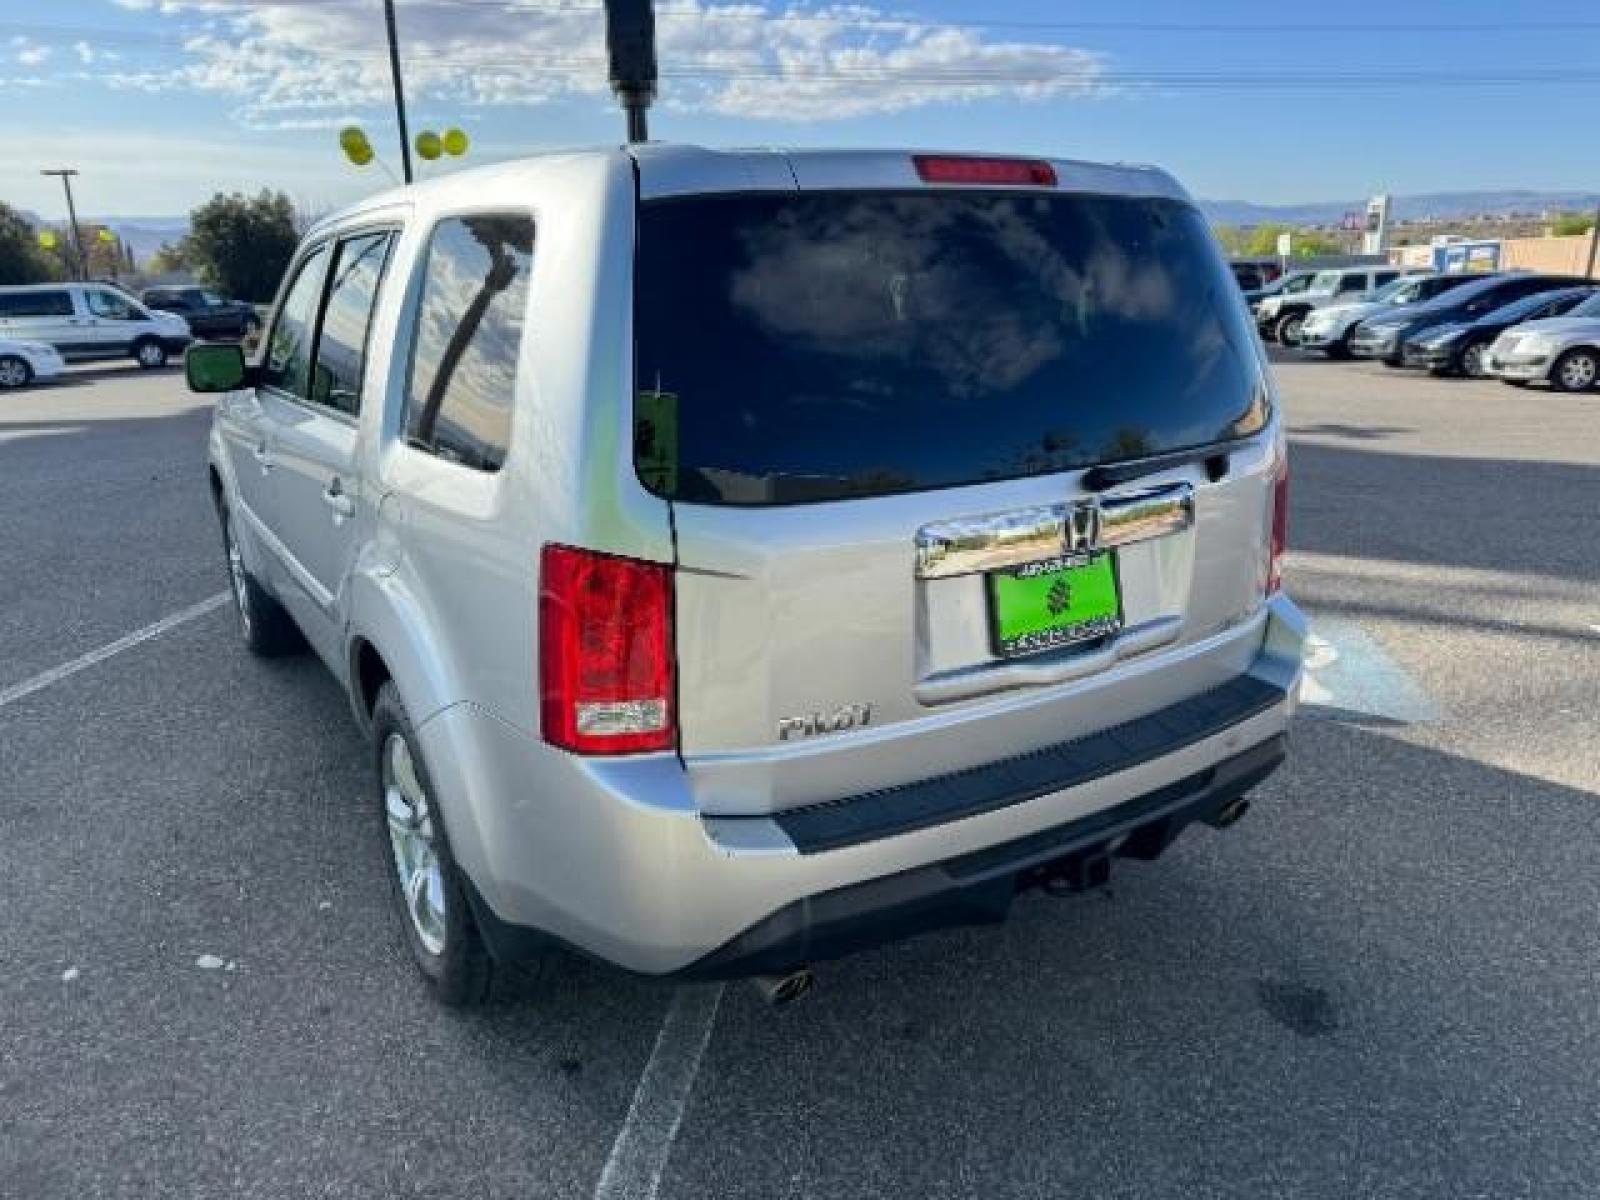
(1382, 983)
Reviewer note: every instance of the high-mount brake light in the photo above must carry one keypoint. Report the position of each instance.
(605, 652)
(960, 168)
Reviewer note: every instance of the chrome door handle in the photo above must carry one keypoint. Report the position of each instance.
(334, 495)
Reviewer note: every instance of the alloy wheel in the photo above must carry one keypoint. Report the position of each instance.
(13, 372)
(411, 837)
(1578, 372)
(236, 576)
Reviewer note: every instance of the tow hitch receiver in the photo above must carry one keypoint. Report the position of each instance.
(1078, 873)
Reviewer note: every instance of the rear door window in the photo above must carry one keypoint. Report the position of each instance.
(468, 338)
(342, 342)
(36, 304)
(822, 345)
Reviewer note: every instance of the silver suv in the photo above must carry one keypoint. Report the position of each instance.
(740, 559)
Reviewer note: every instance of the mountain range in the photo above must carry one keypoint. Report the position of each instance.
(1443, 205)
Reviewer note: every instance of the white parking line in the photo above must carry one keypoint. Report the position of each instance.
(639, 1156)
(83, 662)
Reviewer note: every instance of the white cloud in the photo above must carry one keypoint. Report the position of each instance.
(291, 65)
(84, 51)
(29, 52)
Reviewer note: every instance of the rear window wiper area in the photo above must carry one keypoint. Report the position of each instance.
(1213, 456)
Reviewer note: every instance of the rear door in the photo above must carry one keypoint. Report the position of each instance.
(877, 415)
(314, 425)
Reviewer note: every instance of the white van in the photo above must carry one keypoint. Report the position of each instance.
(91, 320)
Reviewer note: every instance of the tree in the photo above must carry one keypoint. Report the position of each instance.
(1569, 224)
(22, 259)
(170, 259)
(242, 245)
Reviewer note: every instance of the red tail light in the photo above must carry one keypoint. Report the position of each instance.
(965, 169)
(1280, 527)
(605, 652)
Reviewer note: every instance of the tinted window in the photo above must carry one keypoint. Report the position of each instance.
(824, 345)
(1542, 304)
(468, 337)
(35, 304)
(1352, 283)
(342, 343)
(288, 361)
(1383, 277)
(112, 306)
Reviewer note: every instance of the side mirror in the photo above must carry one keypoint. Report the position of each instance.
(215, 367)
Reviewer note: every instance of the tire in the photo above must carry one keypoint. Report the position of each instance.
(1394, 364)
(1340, 349)
(1472, 360)
(14, 372)
(1576, 370)
(267, 629)
(149, 354)
(1287, 328)
(439, 926)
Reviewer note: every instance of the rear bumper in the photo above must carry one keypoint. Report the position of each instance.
(978, 888)
(614, 857)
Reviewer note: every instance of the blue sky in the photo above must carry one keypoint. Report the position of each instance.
(161, 102)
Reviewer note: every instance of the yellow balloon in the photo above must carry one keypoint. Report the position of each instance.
(428, 145)
(47, 239)
(455, 143)
(353, 141)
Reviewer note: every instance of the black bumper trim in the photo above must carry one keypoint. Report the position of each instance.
(912, 806)
(978, 888)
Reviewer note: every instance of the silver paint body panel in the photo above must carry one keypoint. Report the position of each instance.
(653, 861)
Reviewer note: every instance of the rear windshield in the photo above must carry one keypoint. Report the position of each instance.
(817, 346)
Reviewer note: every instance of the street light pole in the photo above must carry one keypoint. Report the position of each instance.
(81, 263)
(399, 90)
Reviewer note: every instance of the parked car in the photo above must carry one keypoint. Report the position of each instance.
(1280, 317)
(1329, 329)
(1383, 336)
(684, 631)
(1289, 284)
(1562, 351)
(1462, 348)
(23, 362)
(89, 321)
(209, 315)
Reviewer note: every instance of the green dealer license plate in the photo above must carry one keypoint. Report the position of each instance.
(1058, 602)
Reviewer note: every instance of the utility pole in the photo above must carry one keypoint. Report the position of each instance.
(399, 90)
(631, 49)
(81, 264)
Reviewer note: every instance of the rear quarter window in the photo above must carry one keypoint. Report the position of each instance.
(468, 338)
(816, 346)
(36, 304)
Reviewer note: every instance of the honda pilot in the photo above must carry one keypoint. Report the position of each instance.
(742, 559)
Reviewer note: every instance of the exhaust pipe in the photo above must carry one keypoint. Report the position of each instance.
(779, 990)
(1229, 813)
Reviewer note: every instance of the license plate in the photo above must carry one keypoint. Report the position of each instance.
(1055, 603)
